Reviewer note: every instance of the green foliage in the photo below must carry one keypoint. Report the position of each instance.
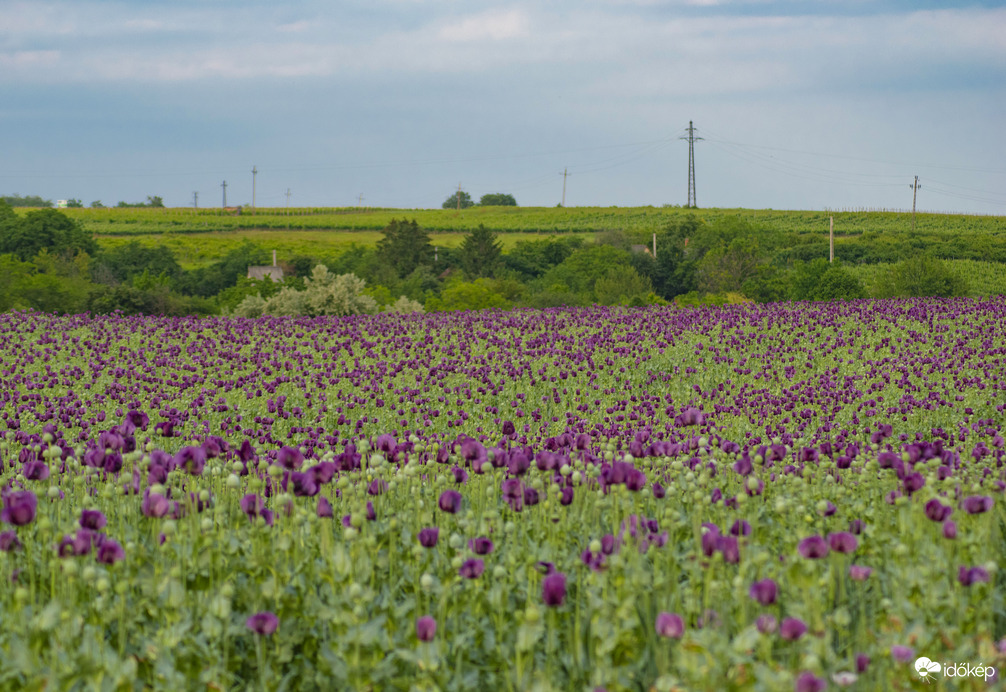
(768, 284)
(45, 229)
(837, 283)
(153, 202)
(621, 286)
(498, 199)
(325, 293)
(404, 306)
(580, 271)
(921, 276)
(211, 280)
(96, 204)
(479, 254)
(230, 298)
(468, 295)
(405, 246)
(461, 198)
(74, 204)
(531, 259)
(26, 201)
(123, 262)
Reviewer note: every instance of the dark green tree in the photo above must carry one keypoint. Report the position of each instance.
(497, 199)
(44, 229)
(452, 201)
(530, 259)
(26, 201)
(480, 252)
(405, 246)
(74, 204)
(121, 263)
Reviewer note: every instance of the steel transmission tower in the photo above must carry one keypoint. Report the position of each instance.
(692, 139)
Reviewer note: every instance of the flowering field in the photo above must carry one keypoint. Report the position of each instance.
(787, 497)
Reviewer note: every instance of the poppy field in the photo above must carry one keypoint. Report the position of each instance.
(802, 496)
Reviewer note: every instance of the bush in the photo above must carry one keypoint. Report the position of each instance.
(921, 276)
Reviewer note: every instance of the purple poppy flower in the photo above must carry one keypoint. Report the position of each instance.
(740, 528)
(290, 458)
(92, 519)
(262, 623)
(859, 572)
(19, 508)
(80, 544)
(471, 569)
(192, 459)
(324, 507)
(670, 625)
(842, 542)
(428, 537)
(9, 541)
(246, 452)
(426, 628)
(767, 624)
(968, 576)
(566, 498)
(530, 497)
(856, 526)
(508, 428)
(35, 471)
(729, 548)
(450, 501)
(862, 663)
(902, 654)
(808, 682)
(764, 591)
(976, 504)
(937, 511)
(303, 484)
(608, 544)
(553, 589)
(378, 486)
(480, 545)
(792, 628)
(813, 547)
(110, 552)
(950, 529)
(659, 492)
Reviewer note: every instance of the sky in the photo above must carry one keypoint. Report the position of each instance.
(809, 104)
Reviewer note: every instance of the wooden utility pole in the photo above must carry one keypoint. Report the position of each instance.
(195, 200)
(359, 201)
(915, 190)
(831, 238)
(459, 198)
(254, 173)
(654, 246)
(224, 186)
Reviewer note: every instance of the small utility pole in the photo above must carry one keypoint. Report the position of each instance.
(831, 238)
(692, 139)
(288, 207)
(359, 201)
(565, 174)
(459, 198)
(654, 246)
(224, 186)
(254, 173)
(915, 191)
(195, 200)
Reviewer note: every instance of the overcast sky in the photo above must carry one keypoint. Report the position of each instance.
(802, 104)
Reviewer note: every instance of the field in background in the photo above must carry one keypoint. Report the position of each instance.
(134, 221)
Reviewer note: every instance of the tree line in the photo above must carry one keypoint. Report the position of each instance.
(49, 262)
